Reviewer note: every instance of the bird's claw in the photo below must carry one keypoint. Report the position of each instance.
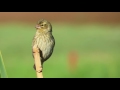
(39, 70)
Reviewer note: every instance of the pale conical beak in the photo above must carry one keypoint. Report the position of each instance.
(37, 27)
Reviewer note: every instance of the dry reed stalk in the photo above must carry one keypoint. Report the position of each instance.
(36, 55)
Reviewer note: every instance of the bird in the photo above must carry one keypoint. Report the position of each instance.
(44, 40)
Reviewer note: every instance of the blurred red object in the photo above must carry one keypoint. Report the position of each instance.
(72, 60)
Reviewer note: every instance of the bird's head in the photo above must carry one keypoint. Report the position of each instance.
(44, 26)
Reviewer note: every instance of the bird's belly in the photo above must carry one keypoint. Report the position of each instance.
(46, 47)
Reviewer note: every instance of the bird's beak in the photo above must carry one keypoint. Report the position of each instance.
(37, 27)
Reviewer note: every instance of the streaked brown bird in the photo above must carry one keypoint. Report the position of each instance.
(44, 40)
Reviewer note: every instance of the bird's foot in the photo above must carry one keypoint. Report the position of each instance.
(39, 69)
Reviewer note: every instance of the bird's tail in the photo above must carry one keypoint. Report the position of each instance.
(34, 67)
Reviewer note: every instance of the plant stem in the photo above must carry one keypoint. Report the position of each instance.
(2, 67)
(37, 62)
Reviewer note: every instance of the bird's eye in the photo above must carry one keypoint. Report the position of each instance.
(41, 24)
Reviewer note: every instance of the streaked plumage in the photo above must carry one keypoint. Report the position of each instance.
(44, 40)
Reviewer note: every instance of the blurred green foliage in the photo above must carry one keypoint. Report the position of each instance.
(97, 45)
(3, 73)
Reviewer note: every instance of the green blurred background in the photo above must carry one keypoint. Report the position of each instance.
(87, 44)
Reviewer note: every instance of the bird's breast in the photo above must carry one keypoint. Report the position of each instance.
(46, 45)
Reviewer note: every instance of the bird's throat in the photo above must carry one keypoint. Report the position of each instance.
(41, 30)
